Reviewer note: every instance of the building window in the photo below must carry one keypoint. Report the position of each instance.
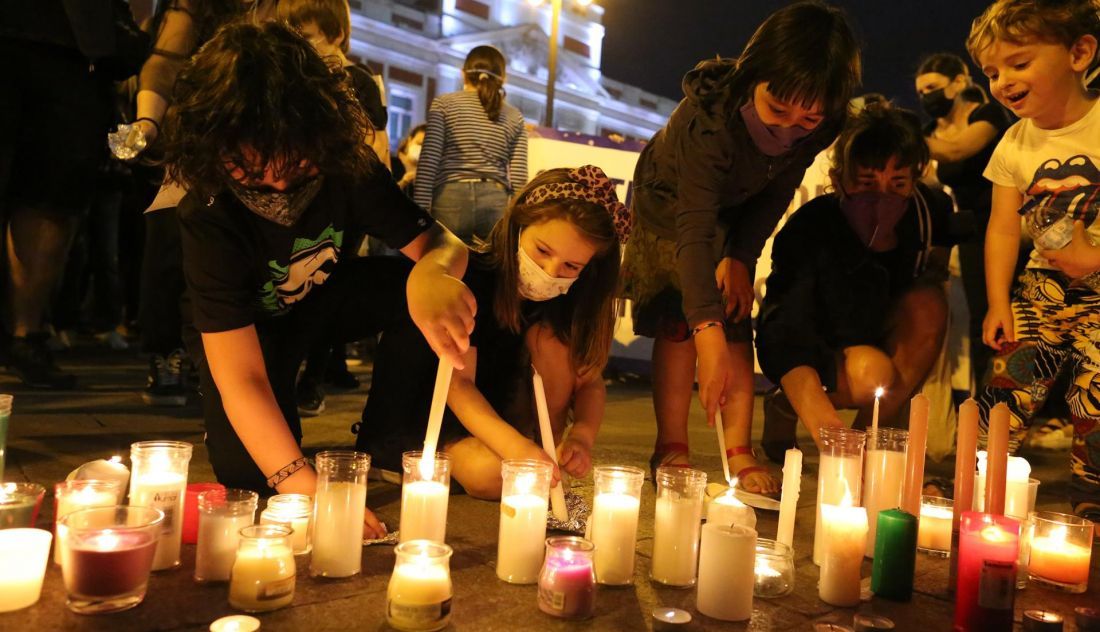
(401, 107)
(473, 7)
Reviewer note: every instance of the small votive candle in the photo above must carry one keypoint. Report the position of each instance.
(19, 504)
(418, 598)
(24, 553)
(424, 496)
(522, 535)
(614, 522)
(263, 572)
(191, 509)
(294, 511)
(222, 515)
(235, 623)
(1087, 619)
(934, 530)
(678, 515)
(159, 480)
(70, 496)
(567, 583)
(1042, 621)
(1061, 549)
(774, 569)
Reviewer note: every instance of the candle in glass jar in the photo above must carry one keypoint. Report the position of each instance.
(1019, 497)
(109, 563)
(678, 514)
(843, 542)
(523, 505)
(338, 530)
(727, 564)
(294, 511)
(840, 471)
(1055, 558)
(424, 496)
(418, 598)
(883, 476)
(263, 574)
(71, 496)
(159, 480)
(567, 583)
(934, 530)
(24, 553)
(614, 522)
(222, 514)
(19, 504)
(190, 532)
(986, 585)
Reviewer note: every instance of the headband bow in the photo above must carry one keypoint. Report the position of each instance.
(591, 184)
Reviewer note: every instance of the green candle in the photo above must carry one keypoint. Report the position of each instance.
(895, 555)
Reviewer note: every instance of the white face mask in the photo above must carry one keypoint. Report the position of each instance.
(535, 284)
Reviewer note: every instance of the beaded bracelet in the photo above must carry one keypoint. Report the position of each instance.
(713, 323)
(286, 472)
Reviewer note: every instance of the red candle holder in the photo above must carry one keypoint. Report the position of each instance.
(988, 550)
(191, 509)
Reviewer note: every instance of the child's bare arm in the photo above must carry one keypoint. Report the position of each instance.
(1002, 245)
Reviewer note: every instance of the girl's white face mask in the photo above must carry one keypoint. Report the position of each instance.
(534, 282)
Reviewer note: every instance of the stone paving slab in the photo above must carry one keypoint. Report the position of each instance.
(53, 433)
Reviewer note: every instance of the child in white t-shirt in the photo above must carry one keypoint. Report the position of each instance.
(1047, 170)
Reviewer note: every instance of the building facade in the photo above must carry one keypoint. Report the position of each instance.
(418, 47)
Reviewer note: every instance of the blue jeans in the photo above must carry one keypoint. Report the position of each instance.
(470, 209)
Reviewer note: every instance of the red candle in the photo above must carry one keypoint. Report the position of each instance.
(567, 584)
(191, 509)
(988, 546)
(109, 564)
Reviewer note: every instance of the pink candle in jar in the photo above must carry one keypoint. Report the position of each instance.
(567, 584)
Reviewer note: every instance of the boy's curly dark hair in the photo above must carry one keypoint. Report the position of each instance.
(870, 138)
(262, 89)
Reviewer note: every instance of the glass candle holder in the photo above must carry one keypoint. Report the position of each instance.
(5, 416)
(840, 471)
(263, 571)
(70, 496)
(424, 495)
(106, 556)
(679, 513)
(883, 475)
(524, 498)
(158, 479)
(191, 509)
(418, 598)
(294, 511)
(567, 583)
(773, 570)
(24, 553)
(222, 515)
(614, 522)
(19, 504)
(1061, 549)
(338, 510)
(986, 586)
(934, 530)
(844, 533)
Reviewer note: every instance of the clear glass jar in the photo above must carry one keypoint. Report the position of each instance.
(613, 526)
(883, 475)
(159, 479)
(840, 473)
(774, 569)
(424, 495)
(934, 529)
(338, 510)
(263, 571)
(222, 515)
(70, 496)
(678, 515)
(524, 498)
(567, 583)
(418, 598)
(1060, 550)
(294, 511)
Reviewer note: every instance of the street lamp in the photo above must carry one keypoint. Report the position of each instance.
(552, 64)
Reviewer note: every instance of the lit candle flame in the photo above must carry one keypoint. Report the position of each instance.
(1058, 534)
(525, 483)
(118, 459)
(846, 501)
(427, 469)
(7, 490)
(879, 392)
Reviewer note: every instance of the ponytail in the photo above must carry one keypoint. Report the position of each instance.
(484, 69)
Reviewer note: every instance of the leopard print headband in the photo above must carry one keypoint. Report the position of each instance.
(591, 184)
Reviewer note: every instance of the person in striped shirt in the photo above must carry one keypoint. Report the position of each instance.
(475, 150)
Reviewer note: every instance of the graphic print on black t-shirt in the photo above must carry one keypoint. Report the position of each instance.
(311, 262)
(1069, 187)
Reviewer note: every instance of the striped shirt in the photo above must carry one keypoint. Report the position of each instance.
(462, 143)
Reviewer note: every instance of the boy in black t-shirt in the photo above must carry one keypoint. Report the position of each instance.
(269, 142)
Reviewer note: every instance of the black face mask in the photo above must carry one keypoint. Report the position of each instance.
(936, 104)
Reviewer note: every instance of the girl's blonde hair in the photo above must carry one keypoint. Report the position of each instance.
(583, 318)
(1020, 21)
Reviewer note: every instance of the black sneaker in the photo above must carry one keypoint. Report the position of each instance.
(780, 425)
(30, 359)
(311, 397)
(165, 386)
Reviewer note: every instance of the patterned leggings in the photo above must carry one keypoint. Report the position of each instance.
(1055, 324)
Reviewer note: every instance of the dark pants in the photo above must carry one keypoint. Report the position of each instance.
(162, 284)
(360, 299)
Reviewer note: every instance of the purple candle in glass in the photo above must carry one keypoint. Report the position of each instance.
(567, 584)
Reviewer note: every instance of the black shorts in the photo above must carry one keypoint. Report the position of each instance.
(54, 117)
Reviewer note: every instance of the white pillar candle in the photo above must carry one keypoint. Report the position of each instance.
(883, 476)
(836, 474)
(294, 511)
(788, 503)
(727, 562)
(338, 529)
(73, 496)
(104, 470)
(23, 557)
(934, 529)
(164, 491)
(727, 509)
(842, 546)
(678, 514)
(614, 522)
